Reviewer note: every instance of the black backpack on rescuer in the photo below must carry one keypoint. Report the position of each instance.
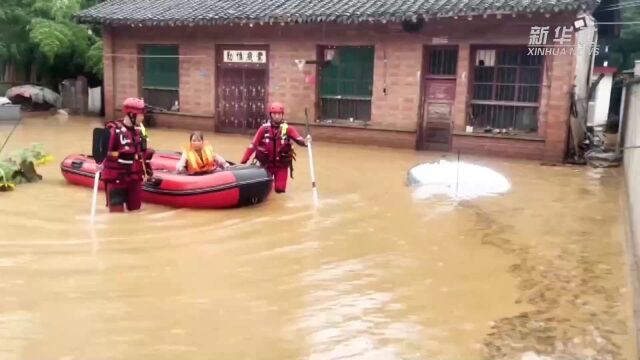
(100, 149)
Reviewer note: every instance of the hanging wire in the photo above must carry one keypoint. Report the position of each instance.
(10, 133)
(156, 56)
(619, 23)
(619, 6)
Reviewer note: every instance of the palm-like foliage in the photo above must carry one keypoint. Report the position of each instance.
(42, 33)
(629, 42)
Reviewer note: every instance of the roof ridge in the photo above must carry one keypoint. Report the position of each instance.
(201, 12)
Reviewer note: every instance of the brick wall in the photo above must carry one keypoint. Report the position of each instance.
(125, 70)
(557, 115)
(397, 67)
(462, 87)
(286, 82)
(357, 135)
(182, 121)
(400, 75)
(108, 78)
(495, 146)
(197, 76)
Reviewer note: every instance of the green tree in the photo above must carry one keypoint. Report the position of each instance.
(40, 38)
(626, 49)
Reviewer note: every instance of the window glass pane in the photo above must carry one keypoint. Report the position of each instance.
(485, 58)
(483, 92)
(346, 109)
(349, 74)
(505, 92)
(528, 93)
(442, 61)
(484, 74)
(515, 118)
(509, 56)
(506, 96)
(507, 75)
(160, 66)
(530, 75)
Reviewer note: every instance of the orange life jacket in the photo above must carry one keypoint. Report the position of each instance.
(203, 162)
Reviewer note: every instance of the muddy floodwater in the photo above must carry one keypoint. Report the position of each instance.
(538, 272)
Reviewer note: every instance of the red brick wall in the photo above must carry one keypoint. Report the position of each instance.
(557, 115)
(286, 82)
(197, 77)
(400, 75)
(125, 70)
(182, 121)
(462, 87)
(108, 78)
(358, 135)
(397, 108)
(495, 146)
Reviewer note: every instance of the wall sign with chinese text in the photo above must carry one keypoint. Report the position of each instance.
(245, 56)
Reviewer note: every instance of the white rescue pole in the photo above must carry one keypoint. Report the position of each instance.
(314, 188)
(96, 183)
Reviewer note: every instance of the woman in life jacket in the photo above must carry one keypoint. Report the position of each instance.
(198, 157)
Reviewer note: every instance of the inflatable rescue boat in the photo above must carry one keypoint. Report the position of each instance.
(239, 185)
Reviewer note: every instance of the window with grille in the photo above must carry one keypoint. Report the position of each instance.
(160, 76)
(442, 62)
(346, 84)
(506, 89)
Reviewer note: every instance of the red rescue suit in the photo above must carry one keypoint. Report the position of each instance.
(274, 150)
(125, 166)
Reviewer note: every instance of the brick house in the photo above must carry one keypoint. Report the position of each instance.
(424, 74)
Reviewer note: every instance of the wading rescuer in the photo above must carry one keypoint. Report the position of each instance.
(126, 158)
(273, 145)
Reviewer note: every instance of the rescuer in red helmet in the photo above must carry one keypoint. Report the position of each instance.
(273, 145)
(127, 158)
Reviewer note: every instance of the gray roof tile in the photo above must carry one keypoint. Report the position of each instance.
(163, 12)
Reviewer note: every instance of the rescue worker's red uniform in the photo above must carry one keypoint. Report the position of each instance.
(127, 161)
(273, 145)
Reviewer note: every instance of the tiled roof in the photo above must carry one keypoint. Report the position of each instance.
(203, 12)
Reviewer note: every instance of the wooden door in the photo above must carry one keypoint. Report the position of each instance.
(231, 105)
(256, 97)
(439, 90)
(241, 95)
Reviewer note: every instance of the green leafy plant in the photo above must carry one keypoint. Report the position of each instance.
(94, 62)
(626, 49)
(20, 166)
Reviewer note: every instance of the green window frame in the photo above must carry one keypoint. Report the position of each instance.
(346, 83)
(160, 75)
(161, 67)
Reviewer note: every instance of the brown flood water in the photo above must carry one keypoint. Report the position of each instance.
(370, 274)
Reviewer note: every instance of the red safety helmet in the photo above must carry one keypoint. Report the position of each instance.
(133, 105)
(276, 107)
